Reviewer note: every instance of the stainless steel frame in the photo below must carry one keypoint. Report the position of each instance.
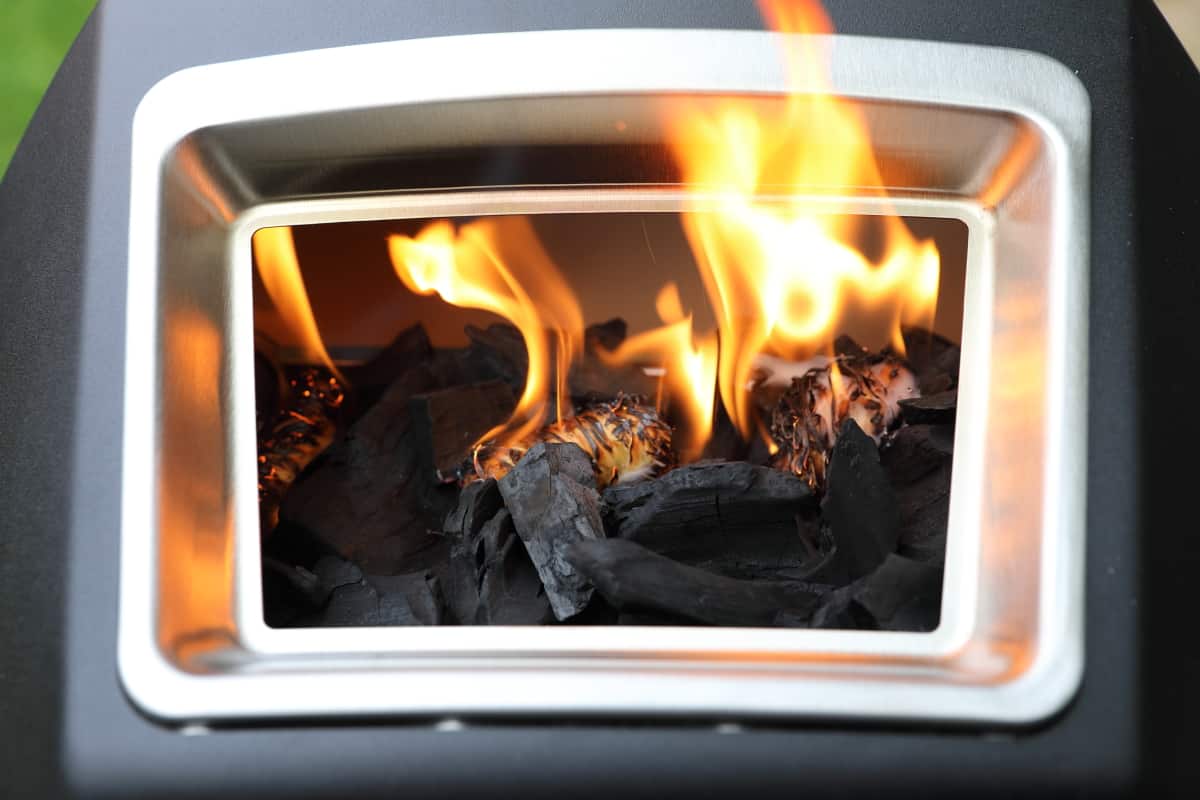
(996, 138)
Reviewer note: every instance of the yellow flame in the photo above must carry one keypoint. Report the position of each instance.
(279, 267)
(782, 277)
(497, 264)
(689, 365)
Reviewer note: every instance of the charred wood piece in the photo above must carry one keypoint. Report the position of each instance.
(624, 441)
(510, 589)
(933, 358)
(367, 498)
(811, 411)
(931, 409)
(448, 423)
(300, 433)
(859, 510)
(354, 598)
(733, 518)
(899, 595)
(629, 576)
(552, 497)
(918, 462)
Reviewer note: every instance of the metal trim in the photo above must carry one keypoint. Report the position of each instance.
(261, 673)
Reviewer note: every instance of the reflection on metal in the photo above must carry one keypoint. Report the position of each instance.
(998, 139)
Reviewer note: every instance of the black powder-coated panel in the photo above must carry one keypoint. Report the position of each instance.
(109, 750)
(1167, 143)
(43, 210)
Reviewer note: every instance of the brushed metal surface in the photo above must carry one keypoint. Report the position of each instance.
(996, 138)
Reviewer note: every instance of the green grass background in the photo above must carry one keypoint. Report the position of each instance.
(34, 38)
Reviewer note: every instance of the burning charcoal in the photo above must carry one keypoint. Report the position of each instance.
(733, 518)
(447, 423)
(624, 441)
(552, 497)
(918, 462)
(806, 420)
(859, 509)
(934, 359)
(303, 430)
(931, 408)
(631, 576)
(367, 497)
(510, 590)
(899, 595)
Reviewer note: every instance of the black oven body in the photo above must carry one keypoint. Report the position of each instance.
(67, 728)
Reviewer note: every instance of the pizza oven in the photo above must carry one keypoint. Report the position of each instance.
(668, 388)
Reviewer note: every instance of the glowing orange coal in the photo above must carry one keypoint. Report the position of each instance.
(279, 268)
(775, 241)
(497, 264)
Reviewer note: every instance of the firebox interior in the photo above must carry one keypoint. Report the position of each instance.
(616, 263)
(995, 141)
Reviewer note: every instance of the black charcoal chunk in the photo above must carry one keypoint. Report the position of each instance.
(934, 359)
(733, 518)
(355, 599)
(477, 503)
(410, 348)
(367, 497)
(845, 345)
(918, 462)
(899, 595)
(551, 494)
(629, 576)
(510, 589)
(930, 409)
(448, 422)
(859, 509)
(502, 349)
(651, 618)
(608, 335)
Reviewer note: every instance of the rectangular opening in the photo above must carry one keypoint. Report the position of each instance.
(989, 165)
(378, 472)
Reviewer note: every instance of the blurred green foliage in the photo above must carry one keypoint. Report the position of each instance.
(34, 38)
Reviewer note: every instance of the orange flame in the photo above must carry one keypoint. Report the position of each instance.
(781, 277)
(689, 365)
(275, 253)
(497, 264)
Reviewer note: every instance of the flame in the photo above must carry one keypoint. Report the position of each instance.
(688, 364)
(497, 264)
(783, 278)
(279, 267)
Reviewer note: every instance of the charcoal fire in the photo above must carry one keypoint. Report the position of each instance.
(693, 460)
(809, 413)
(625, 440)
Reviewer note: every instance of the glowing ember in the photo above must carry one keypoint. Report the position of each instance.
(497, 264)
(781, 277)
(625, 440)
(279, 267)
(302, 432)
